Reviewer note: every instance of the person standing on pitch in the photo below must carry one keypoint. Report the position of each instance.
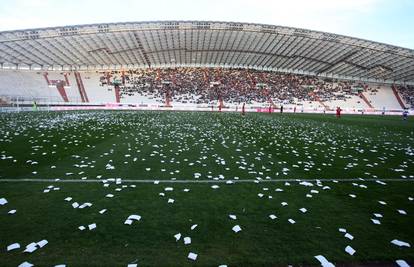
(405, 114)
(270, 109)
(338, 112)
(243, 109)
(281, 109)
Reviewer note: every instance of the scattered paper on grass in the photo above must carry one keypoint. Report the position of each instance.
(13, 246)
(177, 237)
(291, 221)
(236, 228)
(400, 243)
(12, 211)
(192, 256)
(402, 263)
(42, 243)
(349, 236)
(375, 221)
(102, 211)
(187, 240)
(324, 262)
(31, 247)
(3, 201)
(272, 216)
(402, 212)
(303, 210)
(350, 250)
(26, 264)
(194, 226)
(92, 226)
(131, 218)
(233, 217)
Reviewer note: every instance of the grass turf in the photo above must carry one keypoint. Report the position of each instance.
(165, 146)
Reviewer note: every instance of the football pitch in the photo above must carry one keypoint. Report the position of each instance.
(112, 188)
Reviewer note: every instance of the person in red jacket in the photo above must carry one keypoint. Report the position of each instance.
(338, 112)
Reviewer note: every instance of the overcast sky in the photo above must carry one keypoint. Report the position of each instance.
(388, 21)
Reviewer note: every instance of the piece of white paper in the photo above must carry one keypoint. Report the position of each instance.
(187, 240)
(13, 246)
(400, 243)
(92, 226)
(233, 217)
(31, 247)
(26, 264)
(3, 201)
(402, 263)
(349, 236)
(350, 250)
(177, 237)
(236, 228)
(375, 221)
(324, 262)
(192, 256)
(272, 216)
(134, 217)
(42, 243)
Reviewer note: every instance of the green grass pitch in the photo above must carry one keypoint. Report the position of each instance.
(293, 181)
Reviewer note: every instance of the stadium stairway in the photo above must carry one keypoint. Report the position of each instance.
(363, 97)
(397, 95)
(81, 87)
(60, 86)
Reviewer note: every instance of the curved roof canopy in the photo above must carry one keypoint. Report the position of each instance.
(205, 43)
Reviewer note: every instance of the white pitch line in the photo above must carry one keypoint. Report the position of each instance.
(203, 181)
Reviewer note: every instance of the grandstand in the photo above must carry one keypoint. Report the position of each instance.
(199, 64)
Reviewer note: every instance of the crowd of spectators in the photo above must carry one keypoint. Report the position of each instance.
(407, 93)
(203, 85)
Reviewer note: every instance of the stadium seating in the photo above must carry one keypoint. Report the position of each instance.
(200, 87)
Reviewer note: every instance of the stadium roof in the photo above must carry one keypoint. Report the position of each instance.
(205, 43)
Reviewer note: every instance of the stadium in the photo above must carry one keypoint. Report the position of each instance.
(204, 143)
